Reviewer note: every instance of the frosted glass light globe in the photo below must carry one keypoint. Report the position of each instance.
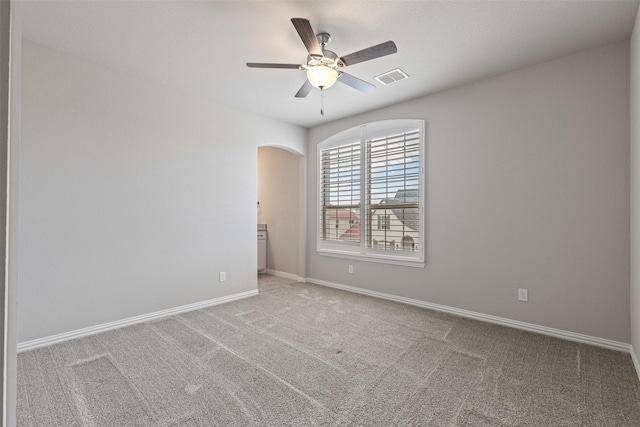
(322, 76)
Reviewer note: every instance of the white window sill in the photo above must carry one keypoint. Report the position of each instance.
(381, 259)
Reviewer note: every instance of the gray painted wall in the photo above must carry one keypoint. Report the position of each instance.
(635, 187)
(8, 56)
(133, 195)
(278, 193)
(5, 44)
(527, 186)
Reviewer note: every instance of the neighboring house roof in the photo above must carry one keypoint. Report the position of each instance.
(409, 217)
(341, 214)
(353, 233)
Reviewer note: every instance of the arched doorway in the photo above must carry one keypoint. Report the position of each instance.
(282, 208)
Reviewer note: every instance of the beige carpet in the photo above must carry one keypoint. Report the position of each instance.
(303, 355)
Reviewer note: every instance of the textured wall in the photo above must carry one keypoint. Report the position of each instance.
(527, 186)
(133, 196)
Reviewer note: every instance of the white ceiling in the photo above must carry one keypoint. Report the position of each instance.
(202, 46)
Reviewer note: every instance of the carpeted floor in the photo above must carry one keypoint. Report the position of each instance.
(302, 355)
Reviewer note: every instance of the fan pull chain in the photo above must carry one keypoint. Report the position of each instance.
(321, 101)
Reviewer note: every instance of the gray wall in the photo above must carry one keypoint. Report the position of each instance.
(133, 195)
(635, 188)
(527, 186)
(278, 193)
(5, 44)
(10, 51)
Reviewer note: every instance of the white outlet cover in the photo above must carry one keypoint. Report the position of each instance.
(523, 295)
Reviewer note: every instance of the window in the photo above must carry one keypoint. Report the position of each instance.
(384, 222)
(370, 193)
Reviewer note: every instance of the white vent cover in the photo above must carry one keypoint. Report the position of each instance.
(392, 76)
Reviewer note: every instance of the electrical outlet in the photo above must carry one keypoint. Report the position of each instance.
(223, 276)
(523, 295)
(350, 269)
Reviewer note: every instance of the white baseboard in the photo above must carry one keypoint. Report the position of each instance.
(285, 275)
(636, 363)
(66, 336)
(531, 327)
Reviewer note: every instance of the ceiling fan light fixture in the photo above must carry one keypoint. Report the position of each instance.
(321, 76)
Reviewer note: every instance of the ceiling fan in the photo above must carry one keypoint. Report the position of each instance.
(322, 65)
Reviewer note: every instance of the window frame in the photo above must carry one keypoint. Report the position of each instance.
(358, 250)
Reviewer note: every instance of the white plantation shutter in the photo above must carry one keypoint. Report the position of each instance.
(393, 184)
(340, 192)
(370, 193)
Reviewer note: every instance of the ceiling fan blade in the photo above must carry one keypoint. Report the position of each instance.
(305, 89)
(303, 27)
(355, 82)
(266, 65)
(373, 52)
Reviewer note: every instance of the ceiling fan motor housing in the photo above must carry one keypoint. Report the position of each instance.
(330, 59)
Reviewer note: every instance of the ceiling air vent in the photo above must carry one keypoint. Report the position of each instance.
(392, 76)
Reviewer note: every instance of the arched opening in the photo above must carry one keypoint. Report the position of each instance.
(281, 211)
